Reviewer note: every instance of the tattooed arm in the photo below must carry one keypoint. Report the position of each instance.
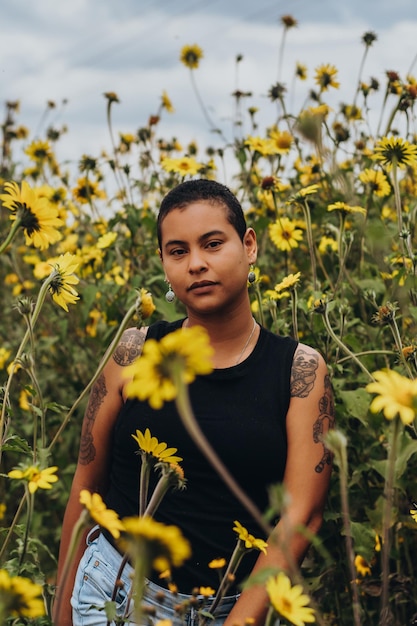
(306, 480)
(104, 404)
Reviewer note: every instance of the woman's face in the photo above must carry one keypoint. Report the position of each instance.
(204, 258)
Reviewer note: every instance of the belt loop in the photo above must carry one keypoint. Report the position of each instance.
(93, 535)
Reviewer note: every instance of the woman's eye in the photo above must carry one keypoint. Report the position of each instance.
(177, 252)
(214, 244)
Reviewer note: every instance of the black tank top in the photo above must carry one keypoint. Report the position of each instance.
(242, 411)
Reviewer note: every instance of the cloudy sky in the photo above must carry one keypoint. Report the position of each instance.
(75, 50)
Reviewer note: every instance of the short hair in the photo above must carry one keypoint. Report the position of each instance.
(202, 189)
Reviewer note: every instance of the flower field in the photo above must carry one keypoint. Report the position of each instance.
(332, 197)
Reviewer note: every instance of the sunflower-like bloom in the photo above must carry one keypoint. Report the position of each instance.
(377, 182)
(106, 240)
(165, 546)
(362, 566)
(38, 217)
(301, 71)
(397, 395)
(396, 151)
(35, 477)
(289, 601)
(20, 597)
(413, 512)
(346, 208)
(184, 166)
(260, 145)
(88, 190)
(107, 518)
(281, 140)
(325, 77)
(284, 234)
(191, 55)
(157, 449)
(249, 540)
(289, 282)
(186, 351)
(63, 293)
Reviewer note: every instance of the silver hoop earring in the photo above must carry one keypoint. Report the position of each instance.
(251, 275)
(170, 295)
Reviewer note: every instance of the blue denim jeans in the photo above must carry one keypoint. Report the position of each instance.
(94, 585)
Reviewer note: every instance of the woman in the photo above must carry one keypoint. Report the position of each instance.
(263, 409)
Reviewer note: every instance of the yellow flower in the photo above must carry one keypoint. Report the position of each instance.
(249, 540)
(191, 55)
(87, 190)
(151, 446)
(37, 216)
(362, 566)
(185, 352)
(4, 355)
(20, 597)
(100, 513)
(397, 395)
(289, 601)
(185, 165)
(289, 282)
(2, 511)
(166, 103)
(325, 77)
(217, 563)
(377, 181)
(301, 71)
(281, 141)
(413, 512)
(302, 193)
(145, 306)
(39, 150)
(207, 592)
(35, 477)
(346, 208)
(106, 240)
(284, 234)
(257, 144)
(164, 545)
(63, 278)
(24, 399)
(378, 543)
(395, 151)
(327, 244)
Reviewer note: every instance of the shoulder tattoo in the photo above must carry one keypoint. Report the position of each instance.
(87, 448)
(303, 373)
(130, 346)
(325, 419)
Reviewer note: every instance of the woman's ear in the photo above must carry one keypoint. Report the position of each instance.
(251, 245)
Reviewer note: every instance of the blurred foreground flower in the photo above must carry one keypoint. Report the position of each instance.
(162, 546)
(289, 601)
(107, 518)
(191, 55)
(35, 477)
(61, 280)
(397, 395)
(19, 597)
(186, 351)
(32, 212)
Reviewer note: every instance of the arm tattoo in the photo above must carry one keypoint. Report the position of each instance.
(303, 373)
(326, 414)
(87, 448)
(130, 347)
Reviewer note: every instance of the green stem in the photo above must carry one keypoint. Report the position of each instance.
(15, 227)
(187, 416)
(76, 536)
(30, 501)
(387, 521)
(159, 492)
(100, 368)
(342, 346)
(234, 562)
(12, 526)
(294, 313)
(145, 471)
(310, 241)
(41, 298)
(140, 571)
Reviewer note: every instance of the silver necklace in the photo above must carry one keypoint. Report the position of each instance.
(247, 341)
